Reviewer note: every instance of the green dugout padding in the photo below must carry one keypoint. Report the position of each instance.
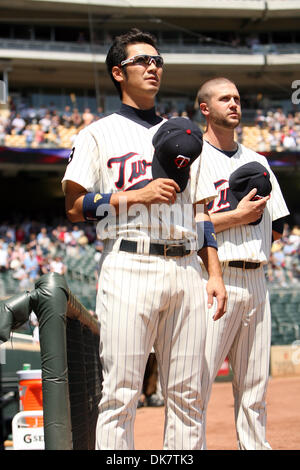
(51, 300)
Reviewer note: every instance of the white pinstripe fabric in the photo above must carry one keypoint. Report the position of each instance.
(244, 335)
(159, 307)
(116, 136)
(245, 242)
(144, 301)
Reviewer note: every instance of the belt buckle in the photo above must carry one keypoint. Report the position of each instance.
(167, 248)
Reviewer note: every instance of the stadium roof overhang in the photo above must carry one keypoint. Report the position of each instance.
(183, 73)
(240, 8)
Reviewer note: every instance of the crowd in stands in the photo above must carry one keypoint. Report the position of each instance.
(278, 131)
(31, 249)
(272, 130)
(43, 127)
(283, 269)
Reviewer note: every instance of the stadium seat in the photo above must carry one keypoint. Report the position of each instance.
(12, 140)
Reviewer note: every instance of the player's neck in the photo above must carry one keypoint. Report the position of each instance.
(139, 103)
(223, 139)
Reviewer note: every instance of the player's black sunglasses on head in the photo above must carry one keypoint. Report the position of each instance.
(144, 59)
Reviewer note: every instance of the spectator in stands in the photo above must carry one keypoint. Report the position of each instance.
(16, 256)
(61, 233)
(297, 121)
(32, 265)
(289, 142)
(270, 121)
(76, 233)
(39, 137)
(290, 249)
(290, 121)
(260, 119)
(32, 242)
(87, 117)
(57, 265)
(45, 123)
(276, 264)
(29, 135)
(22, 276)
(100, 113)
(279, 119)
(46, 265)
(18, 124)
(43, 239)
(10, 235)
(55, 121)
(76, 118)
(253, 42)
(261, 144)
(273, 141)
(66, 119)
(20, 234)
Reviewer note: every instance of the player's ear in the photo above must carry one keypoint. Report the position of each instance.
(117, 73)
(204, 108)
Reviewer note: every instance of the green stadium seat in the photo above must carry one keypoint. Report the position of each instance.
(273, 297)
(295, 298)
(284, 298)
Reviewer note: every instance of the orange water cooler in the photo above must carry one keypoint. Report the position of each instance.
(30, 393)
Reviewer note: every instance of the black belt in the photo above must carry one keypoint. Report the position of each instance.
(243, 264)
(156, 248)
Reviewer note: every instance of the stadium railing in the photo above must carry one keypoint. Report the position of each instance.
(166, 47)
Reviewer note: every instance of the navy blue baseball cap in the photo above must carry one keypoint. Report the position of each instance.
(177, 144)
(244, 179)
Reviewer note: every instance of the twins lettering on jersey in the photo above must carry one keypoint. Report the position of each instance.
(130, 171)
(220, 203)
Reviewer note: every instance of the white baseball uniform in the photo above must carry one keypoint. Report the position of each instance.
(243, 334)
(143, 300)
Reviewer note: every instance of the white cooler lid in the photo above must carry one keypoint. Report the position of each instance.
(29, 374)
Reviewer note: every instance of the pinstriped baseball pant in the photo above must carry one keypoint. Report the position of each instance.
(146, 301)
(244, 335)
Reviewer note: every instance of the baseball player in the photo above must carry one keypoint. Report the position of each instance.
(245, 219)
(150, 282)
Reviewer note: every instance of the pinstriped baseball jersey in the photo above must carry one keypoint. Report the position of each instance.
(115, 154)
(144, 301)
(246, 242)
(243, 334)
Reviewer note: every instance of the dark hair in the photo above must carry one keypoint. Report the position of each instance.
(118, 52)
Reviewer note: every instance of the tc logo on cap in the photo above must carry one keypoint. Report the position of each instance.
(181, 161)
(177, 143)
